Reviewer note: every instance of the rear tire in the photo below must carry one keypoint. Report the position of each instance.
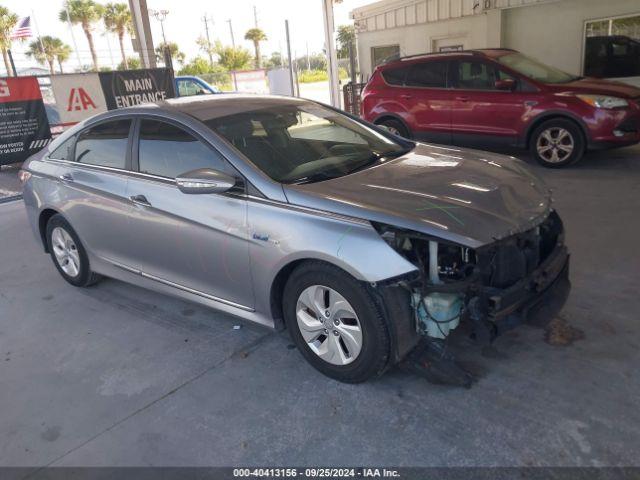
(346, 335)
(557, 143)
(396, 127)
(68, 253)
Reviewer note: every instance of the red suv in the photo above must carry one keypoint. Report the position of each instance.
(501, 96)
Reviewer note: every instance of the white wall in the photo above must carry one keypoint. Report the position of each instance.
(416, 39)
(553, 33)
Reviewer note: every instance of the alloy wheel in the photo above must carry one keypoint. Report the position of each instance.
(555, 145)
(65, 251)
(329, 325)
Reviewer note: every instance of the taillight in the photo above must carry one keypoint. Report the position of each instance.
(23, 176)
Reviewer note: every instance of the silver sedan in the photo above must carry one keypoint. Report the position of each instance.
(291, 214)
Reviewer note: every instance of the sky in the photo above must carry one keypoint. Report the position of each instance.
(184, 25)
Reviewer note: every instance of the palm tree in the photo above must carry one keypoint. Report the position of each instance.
(44, 50)
(85, 13)
(345, 37)
(174, 50)
(63, 52)
(117, 19)
(8, 22)
(256, 36)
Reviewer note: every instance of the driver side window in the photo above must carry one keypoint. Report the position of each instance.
(168, 151)
(188, 88)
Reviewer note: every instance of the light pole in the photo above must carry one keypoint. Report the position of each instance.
(161, 16)
(206, 21)
(233, 40)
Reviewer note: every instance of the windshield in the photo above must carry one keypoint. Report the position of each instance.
(535, 70)
(304, 142)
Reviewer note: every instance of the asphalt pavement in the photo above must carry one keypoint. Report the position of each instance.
(115, 375)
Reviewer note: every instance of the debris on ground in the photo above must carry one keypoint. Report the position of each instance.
(560, 333)
(431, 360)
(237, 327)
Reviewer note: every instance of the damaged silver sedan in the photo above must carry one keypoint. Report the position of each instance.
(371, 249)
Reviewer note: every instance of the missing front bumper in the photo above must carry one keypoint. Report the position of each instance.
(536, 299)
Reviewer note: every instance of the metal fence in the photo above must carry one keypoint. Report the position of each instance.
(352, 100)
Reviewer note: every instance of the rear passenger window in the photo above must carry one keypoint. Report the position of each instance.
(63, 152)
(428, 74)
(105, 144)
(395, 76)
(168, 151)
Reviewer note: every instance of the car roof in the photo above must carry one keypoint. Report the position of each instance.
(481, 52)
(208, 107)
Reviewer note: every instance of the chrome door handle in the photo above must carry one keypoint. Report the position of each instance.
(462, 99)
(140, 200)
(406, 97)
(66, 177)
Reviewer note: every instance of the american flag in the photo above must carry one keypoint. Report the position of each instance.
(23, 29)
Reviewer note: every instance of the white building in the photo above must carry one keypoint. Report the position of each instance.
(552, 31)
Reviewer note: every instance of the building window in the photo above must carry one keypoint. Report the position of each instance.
(381, 54)
(612, 47)
(451, 48)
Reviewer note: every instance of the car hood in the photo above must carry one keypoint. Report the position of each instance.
(465, 196)
(597, 86)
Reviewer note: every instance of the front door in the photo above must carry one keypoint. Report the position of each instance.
(194, 241)
(481, 113)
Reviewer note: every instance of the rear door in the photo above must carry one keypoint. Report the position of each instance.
(428, 100)
(93, 182)
(195, 242)
(418, 93)
(480, 112)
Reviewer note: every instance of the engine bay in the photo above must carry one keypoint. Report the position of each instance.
(485, 288)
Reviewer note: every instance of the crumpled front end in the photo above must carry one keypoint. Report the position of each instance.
(520, 278)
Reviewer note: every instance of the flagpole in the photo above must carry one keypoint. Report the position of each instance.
(35, 24)
(73, 37)
(13, 65)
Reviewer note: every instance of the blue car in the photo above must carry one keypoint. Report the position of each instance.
(187, 86)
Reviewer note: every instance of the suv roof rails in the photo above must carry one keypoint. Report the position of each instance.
(475, 51)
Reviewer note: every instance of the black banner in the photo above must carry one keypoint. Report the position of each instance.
(134, 87)
(24, 128)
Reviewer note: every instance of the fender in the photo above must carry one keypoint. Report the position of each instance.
(524, 139)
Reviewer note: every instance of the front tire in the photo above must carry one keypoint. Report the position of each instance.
(68, 253)
(557, 143)
(335, 323)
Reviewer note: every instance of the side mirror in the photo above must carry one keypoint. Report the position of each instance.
(508, 84)
(204, 180)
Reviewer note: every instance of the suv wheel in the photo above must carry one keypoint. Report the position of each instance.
(68, 254)
(557, 143)
(335, 323)
(396, 127)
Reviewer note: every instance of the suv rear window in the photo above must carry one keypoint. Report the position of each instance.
(395, 76)
(428, 74)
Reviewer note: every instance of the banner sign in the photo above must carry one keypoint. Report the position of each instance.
(128, 88)
(250, 81)
(24, 128)
(78, 96)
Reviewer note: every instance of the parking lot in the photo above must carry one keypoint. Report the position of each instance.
(115, 375)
